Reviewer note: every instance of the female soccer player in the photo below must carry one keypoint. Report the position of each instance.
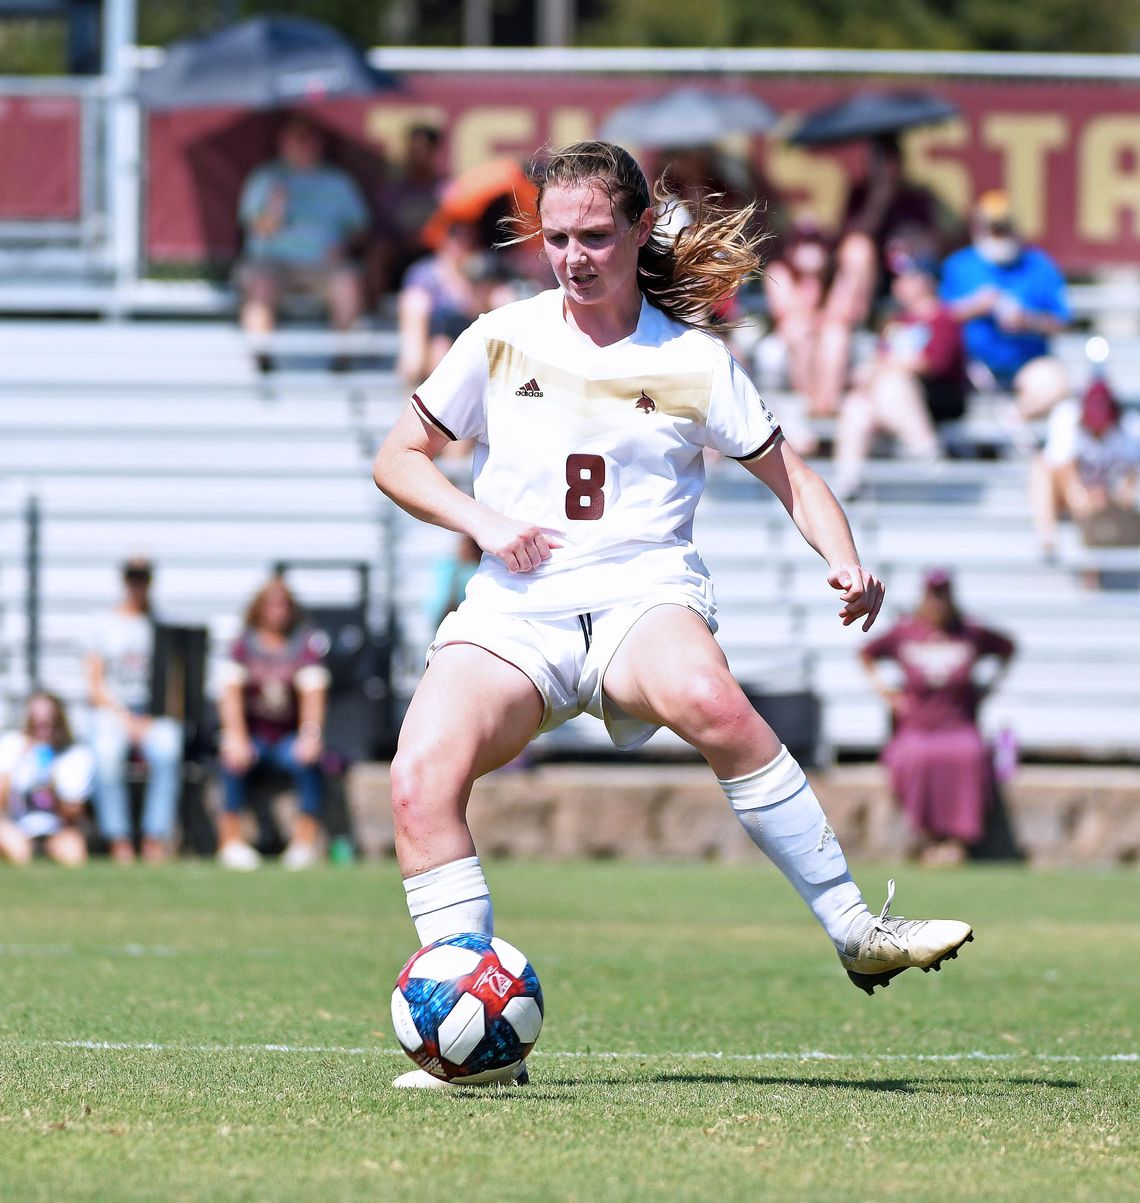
(591, 406)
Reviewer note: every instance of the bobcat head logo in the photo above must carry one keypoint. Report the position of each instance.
(646, 403)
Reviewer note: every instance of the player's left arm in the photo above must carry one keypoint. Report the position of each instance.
(823, 524)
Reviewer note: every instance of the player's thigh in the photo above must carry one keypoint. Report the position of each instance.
(472, 712)
(670, 670)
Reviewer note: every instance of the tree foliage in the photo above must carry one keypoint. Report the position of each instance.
(1094, 26)
(1044, 25)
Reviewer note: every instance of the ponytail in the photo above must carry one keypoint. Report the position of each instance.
(689, 276)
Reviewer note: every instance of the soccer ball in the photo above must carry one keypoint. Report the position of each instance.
(468, 1008)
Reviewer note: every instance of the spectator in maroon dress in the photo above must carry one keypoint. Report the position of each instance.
(939, 764)
(916, 380)
(272, 707)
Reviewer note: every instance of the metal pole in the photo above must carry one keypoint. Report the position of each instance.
(556, 22)
(477, 23)
(32, 589)
(124, 140)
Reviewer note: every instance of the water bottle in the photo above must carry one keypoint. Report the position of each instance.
(1005, 755)
(341, 851)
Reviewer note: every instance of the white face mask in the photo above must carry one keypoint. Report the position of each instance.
(997, 248)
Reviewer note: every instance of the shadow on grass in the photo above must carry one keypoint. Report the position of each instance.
(885, 1085)
(556, 1090)
(888, 1085)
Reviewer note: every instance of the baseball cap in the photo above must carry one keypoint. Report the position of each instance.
(1100, 410)
(994, 210)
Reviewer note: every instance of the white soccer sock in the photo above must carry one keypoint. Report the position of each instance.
(452, 898)
(783, 818)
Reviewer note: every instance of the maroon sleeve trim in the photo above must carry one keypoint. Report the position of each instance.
(427, 415)
(762, 450)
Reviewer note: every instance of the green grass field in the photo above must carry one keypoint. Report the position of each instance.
(180, 1033)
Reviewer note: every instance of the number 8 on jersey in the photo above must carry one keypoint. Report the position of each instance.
(585, 474)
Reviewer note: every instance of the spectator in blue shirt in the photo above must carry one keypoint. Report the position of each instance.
(300, 215)
(1011, 298)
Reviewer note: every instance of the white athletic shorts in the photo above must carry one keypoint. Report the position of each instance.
(567, 658)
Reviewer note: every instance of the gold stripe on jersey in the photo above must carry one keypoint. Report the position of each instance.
(682, 395)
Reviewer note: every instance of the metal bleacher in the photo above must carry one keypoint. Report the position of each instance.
(161, 437)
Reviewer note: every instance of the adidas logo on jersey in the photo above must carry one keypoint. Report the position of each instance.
(646, 403)
(530, 389)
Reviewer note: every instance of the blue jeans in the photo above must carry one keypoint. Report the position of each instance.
(161, 750)
(277, 754)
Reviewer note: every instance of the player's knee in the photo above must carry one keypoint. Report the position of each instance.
(710, 708)
(422, 778)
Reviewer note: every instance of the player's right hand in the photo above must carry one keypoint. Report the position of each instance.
(522, 546)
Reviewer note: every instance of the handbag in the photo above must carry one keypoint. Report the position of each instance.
(1113, 526)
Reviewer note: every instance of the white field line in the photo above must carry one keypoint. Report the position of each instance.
(160, 951)
(69, 950)
(811, 1055)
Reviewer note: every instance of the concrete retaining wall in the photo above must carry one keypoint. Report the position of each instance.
(1058, 814)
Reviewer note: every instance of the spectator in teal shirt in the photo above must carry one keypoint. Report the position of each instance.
(300, 216)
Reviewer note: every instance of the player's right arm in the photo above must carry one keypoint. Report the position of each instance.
(405, 471)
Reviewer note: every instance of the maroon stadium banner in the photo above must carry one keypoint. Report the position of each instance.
(1068, 153)
(40, 157)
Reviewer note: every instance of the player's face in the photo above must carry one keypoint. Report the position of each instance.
(591, 246)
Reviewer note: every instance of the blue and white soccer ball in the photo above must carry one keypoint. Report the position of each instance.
(468, 1008)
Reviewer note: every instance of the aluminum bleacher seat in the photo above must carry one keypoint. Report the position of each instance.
(161, 437)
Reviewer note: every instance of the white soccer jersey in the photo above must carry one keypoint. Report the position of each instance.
(601, 447)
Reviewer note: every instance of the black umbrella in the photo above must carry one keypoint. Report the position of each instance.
(871, 115)
(263, 63)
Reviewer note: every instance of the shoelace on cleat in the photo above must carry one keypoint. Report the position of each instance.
(888, 926)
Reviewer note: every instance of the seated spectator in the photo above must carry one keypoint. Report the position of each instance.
(45, 781)
(1011, 298)
(892, 211)
(917, 379)
(407, 199)
(940, 767)
(816, 297)
(119, 684)
(272, 708)
(300, 217)
(1088, 470)
(443, 294)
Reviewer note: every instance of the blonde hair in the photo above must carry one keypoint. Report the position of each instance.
(689, 276)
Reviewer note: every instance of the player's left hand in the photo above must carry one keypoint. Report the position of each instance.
(861, 592)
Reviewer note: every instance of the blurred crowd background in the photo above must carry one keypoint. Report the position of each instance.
(235, 239)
